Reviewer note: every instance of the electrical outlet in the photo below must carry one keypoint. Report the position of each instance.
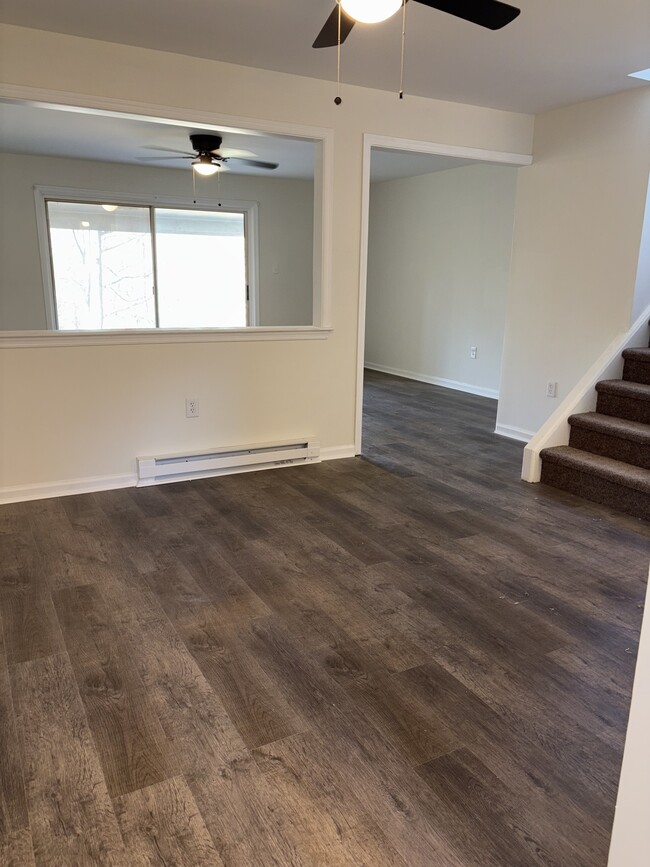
(191, 407)
(551, 389)
(472, 352)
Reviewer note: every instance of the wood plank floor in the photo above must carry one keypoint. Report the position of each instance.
(410, 659)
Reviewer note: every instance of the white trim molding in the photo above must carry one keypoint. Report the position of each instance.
(66, 488)
(49, 339)
(335, 453)
(514, 433)
(454, 384)
(447, 150)
(371, 141)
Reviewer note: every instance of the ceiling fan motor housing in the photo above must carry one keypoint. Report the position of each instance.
(205, 143)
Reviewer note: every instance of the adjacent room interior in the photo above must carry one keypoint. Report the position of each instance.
(324, 434)
(440, 234)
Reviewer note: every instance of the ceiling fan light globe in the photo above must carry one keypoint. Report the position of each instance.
(205, 166)
(370, 11)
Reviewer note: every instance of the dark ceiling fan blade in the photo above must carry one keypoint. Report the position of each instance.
(488, 13)
(256, 163)
(329, 35)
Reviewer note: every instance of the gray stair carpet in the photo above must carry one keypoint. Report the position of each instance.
(611, 437)
(624, 399)
(608, 456)
(597, 478)
(637, 365)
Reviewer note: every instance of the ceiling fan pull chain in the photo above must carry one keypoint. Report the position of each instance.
(401, 72)
(194, 186)
(338, 99)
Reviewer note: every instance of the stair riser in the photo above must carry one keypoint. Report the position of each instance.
(597, 490)
(636, 371)
(608, 446)
(624, 407)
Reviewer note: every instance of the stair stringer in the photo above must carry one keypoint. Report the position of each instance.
(582, 397)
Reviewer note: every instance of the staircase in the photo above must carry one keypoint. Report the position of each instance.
(608, 456)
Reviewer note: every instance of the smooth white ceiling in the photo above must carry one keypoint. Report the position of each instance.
(26, 129)
(388, 165)
(555, 53)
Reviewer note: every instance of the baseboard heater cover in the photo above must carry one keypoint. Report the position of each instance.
(228, 459)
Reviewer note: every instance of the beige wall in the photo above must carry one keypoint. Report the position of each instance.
(439, 248)
(286, 210)
(578, 219)
(88, 411)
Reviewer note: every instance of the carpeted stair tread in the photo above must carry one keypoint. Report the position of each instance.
(608, 456)
(623, 388)
(595, 465)
(612, 426)
(639, 354)
(636, 365)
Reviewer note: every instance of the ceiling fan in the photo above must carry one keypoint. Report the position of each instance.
(486, 13)
(209, 157)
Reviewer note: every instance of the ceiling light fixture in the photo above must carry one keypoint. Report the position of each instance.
(370, 11)
(109, 208)
(85, 224)
(206, 165)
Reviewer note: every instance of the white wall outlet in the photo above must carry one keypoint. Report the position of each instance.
(472, 352)
(191, 407)
(276, 268)
(551, 389)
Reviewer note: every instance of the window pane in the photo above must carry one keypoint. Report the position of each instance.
(102, 264)
(201, 269)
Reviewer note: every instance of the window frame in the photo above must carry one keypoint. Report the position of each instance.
(44, 194)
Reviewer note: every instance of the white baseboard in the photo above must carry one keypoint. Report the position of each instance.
(435, 380)
(65, 488)
(514, 433)
(334, 453)
(92, 484)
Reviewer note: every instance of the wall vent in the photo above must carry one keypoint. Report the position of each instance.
(229, 459)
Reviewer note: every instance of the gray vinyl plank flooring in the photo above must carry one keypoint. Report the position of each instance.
(406, 659)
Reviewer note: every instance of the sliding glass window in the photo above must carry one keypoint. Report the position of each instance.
(125, 266)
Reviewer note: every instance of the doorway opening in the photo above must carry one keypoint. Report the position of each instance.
(437, 242)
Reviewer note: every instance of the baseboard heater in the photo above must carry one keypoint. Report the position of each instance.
(229, 459)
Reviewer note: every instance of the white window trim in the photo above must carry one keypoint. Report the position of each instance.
(43, 194)
(48, 339)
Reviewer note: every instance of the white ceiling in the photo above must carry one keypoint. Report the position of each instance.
(555, 53)
(27, 129)
(387, 165)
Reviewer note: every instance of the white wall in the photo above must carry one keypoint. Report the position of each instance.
(132, 397)
(578, 218)
(285, 229)
(439, 248)
(642, 287)
(630, 846)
